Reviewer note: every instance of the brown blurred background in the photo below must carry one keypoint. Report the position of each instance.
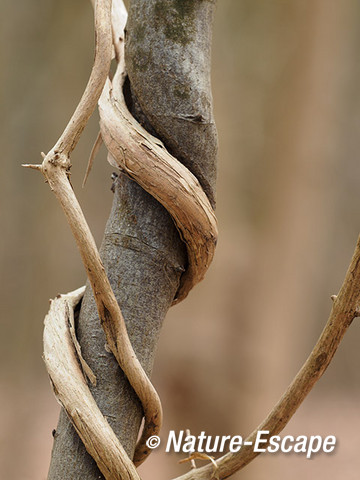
(286, 83)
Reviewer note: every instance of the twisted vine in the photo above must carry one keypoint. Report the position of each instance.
(146, 160)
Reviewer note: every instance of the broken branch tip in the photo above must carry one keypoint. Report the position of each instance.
(32, 166)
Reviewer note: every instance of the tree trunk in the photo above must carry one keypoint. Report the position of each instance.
(142, 250)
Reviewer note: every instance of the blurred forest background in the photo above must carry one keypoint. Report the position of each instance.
(286, 85)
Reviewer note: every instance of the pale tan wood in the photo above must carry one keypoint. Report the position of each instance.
(345, 308)
(135, 151)
(71, 390)
(56, 168)
(171, 183)
(145, 159)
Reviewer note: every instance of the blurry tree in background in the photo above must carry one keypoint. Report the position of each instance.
(286, 88)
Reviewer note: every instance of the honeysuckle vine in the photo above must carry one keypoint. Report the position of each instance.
(145, 159)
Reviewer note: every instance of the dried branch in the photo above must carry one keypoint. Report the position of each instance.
(345, 309)
(55, 168)
(110, 315)
(103, 45)
(199, 232)
(70, 387)
(145, 159)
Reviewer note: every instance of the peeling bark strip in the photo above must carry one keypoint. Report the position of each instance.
(63, 364)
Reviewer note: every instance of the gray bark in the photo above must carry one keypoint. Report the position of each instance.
(168, 59)
(144, 258)
(142, 251)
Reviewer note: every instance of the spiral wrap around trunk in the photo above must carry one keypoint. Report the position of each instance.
(146, 160)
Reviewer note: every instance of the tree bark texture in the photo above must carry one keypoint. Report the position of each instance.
(144, 258)
(142, 250)
(168, 50)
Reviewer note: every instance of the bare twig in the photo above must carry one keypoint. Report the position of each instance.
(202, 456)
(345, 309)
(93, 153)
(103, 46)
(192, 460)
(109, 311)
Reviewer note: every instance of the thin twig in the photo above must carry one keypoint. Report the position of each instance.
(103, 48)
(192, 460)
(345, 309)
(93, 153)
